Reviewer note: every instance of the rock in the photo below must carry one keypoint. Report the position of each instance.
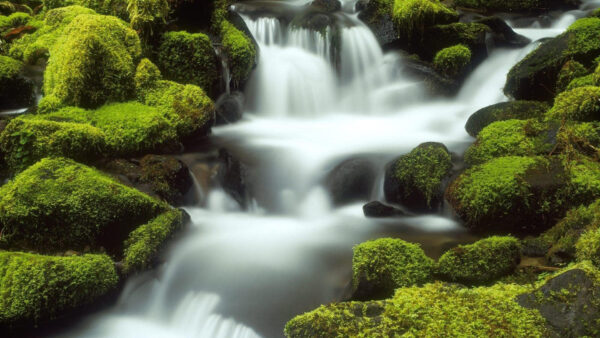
(503, 35)
(521, 110)
(169, 178)
(377, 14)
(579, 104)
(16, 91)
(380, 266)
(327, 5)
(351, 181)
(452, 61)
(435, 82)
(229, 108)
(569, 301)
(472, 35)
(415, 180)
(535, 77)
(570, 71)
(232, 177)
(378, 209)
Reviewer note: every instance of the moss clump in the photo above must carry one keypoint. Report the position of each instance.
(188, 58)
(582, 138)
(521, 110)
(452, 61)
(481, 262)
(510, 137)
(58, 204)
(579, 104)
(116, 8)
(569, 71)
(14, 20)
(588, 246)
(438, 37)
(93, 62)
(15, 91)
(187, 107)
(143, 243)
(434, 310)
(513, 193)
(380, 266)
(36, 288)
(415, 179)
(148, 17)
(582, 81)
(412, 16)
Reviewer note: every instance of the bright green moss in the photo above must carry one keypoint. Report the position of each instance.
(452, 61)
(116, 8)
(147, 17)
(570, 70)
(412, 16)
(36, 288)
(93, 62)
(481, 262)
(434, 310)
(9, 69)
(415, 179)
(32, 47)
(585, 181)
(58, 204)
(188, 58)
(14, 20)
(380, 266)
(579, 104)
(582, 81)
(521, 110)
(144, 242)
(510, 137)
(146, 75)
(581, 137)
(588, 246)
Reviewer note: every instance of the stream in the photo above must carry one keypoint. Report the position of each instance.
(245, 273)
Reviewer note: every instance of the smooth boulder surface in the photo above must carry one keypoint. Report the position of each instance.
(351, 181)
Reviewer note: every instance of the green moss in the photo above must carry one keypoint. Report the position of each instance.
(58, 204)
(434, 310)
(9, 69)
(588, 246)
(510, 137)
(36, 288)
(14, 20)
(412, 16)
(579, 104)
(583, 138)
(585, 181)
(116, 8)
(146, 75)
(504, 5)
(452, 61)
(481, 262)
(93, 62)
(144, 242)
(380, 266)
(415, 179)
(188, 58)
(582, 81)
(569, 71)
(521, 110)
(148, 17)
(15, 90)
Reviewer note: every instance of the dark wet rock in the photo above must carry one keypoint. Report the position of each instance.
(327, 5)
(351, 181)
(229, 108)
(472, 35)
(503, 35)
(570, 303)
(378, 209)
(435, 82)
(232, 176)
(521, 110)
(379, 21)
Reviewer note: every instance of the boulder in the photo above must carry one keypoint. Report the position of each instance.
(232, 176)
(579, 104)
(351, 181)
(438, 37)
(452, 61)
(229, 108)
(503, 35)
(378, 209)
(521, 110)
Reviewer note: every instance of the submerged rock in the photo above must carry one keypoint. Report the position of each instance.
(351, 181)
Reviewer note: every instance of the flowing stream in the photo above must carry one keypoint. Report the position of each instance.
(241, 273)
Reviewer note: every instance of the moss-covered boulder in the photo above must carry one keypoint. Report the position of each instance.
(188, 58)
(513, 194)
(452, 61)
(535, 77)
(569, 71)
(471, 35)
(58, 205)
(15, 90)
(13, 21)
(481, 262)
(415, 180)
(511, 137)
(380, 266)
(579, 104)
(434, 310)
(93, 62)
(116, 8)
(588, 245)
(35, 289)
(412, 16)
(521, 110)
(187, 107)
(517, 5)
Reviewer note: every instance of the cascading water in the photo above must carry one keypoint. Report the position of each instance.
(245, 273)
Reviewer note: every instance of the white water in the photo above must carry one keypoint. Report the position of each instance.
(245, 273)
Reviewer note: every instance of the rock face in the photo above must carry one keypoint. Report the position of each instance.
(415, 180)
(351, 181)
(521, 110)
(377, 14)
(570, 303)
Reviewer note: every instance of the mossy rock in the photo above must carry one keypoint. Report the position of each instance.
(452, 61)
(35, 289)
(116, 8)
(380, 266)
(13, 21)
(15, 90)
(144, 243)
(588, 245)
(569, 72)
(582, 81)
(481, 262)
(415, 179)
(511, 137)
(434, 310)
(513, 194)
(187, 107)
(93, 62)
(519, 6)
(471, 35)
(377, 14)
(521, 110)
(535, 77)
(584, 138)
(58, 205)
(579, 104)
(189, 58)
(412, 16)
